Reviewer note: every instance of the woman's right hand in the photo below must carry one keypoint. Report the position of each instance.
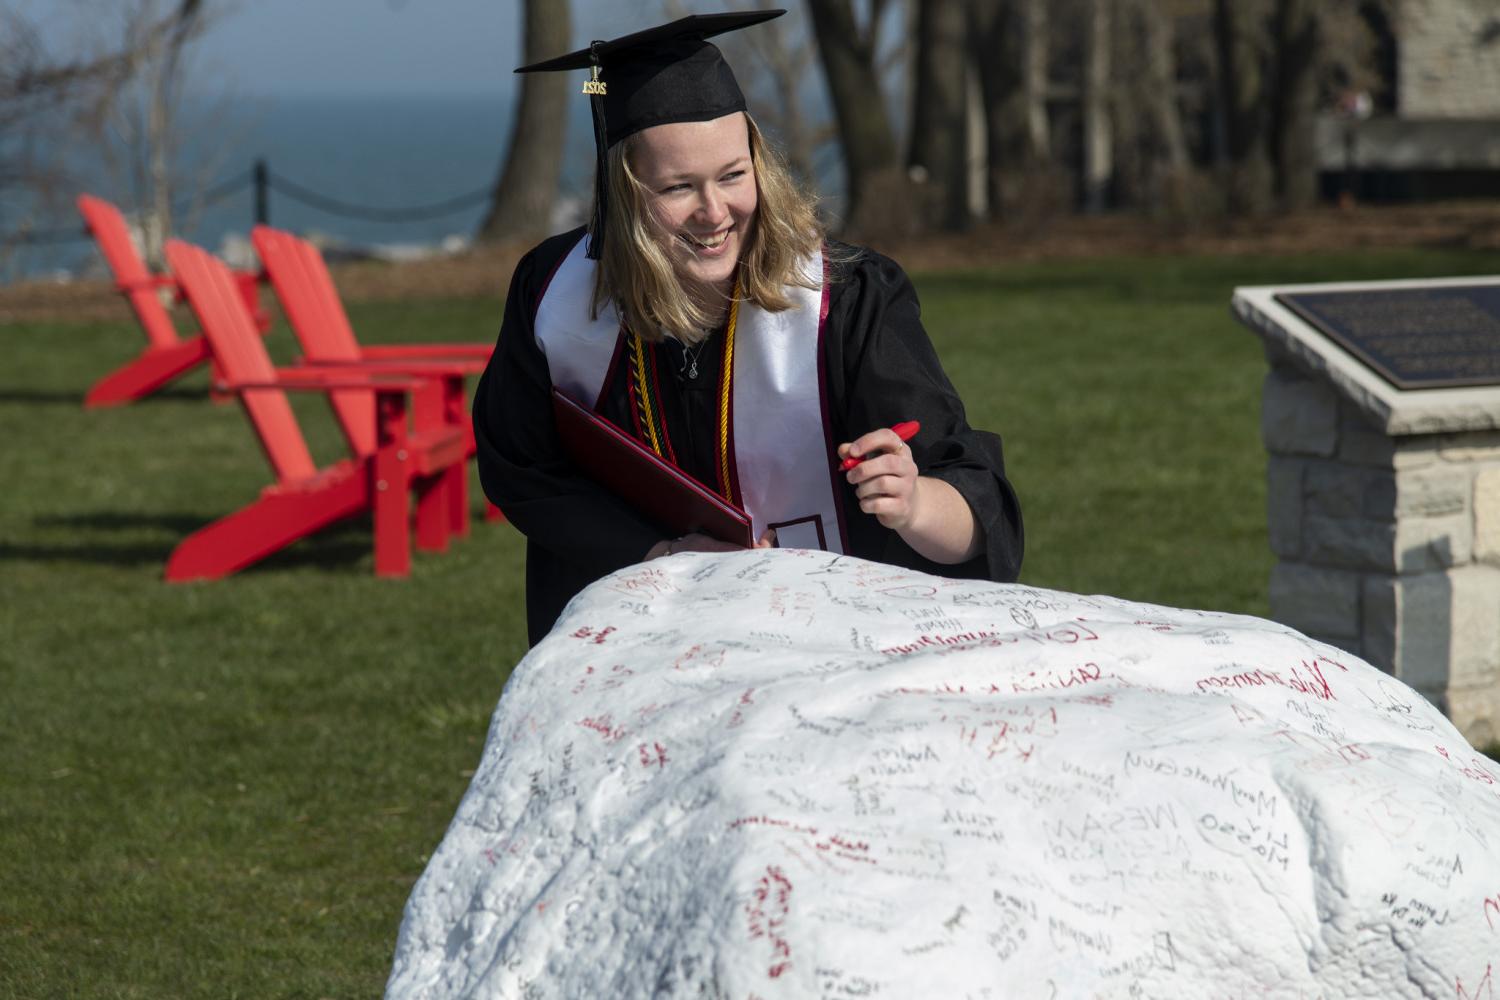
(697, 542)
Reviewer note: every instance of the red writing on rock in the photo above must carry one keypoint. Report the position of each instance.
(605, 727)
(614, 679)
(766, 914)
(1353, 752)
(1085, 674)
(645, 583)
(1312, 683)
(1492, 909)
(1485, 988)
(696, 656)
(739, 716)
(1006, 738)
(654, 754)
(513, 847)
(1476, 769)
(587, 632)
(583, 681)
(849, 850)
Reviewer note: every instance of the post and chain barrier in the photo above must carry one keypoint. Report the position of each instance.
(264, 181)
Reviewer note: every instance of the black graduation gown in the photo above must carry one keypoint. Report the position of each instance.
(881, 369)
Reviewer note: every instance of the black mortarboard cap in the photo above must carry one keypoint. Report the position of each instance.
(670, 73)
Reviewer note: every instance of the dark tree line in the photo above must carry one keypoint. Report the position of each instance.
(1017, 107)
(1119, 103)
(943, 112)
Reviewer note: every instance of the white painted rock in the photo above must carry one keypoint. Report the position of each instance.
(790, 774)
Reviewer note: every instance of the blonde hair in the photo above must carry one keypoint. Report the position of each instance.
(635, 270)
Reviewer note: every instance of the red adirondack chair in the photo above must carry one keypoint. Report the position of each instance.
(167, 355)
(316, 313)
(427, 458)
(312, 305)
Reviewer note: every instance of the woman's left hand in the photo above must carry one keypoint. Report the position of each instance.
(886, 481)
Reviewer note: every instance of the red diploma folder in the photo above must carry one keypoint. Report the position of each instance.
(661, 491)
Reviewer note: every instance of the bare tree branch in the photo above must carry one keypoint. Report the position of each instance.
(51, 103)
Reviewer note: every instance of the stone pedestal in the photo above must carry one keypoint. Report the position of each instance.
(1384, 512)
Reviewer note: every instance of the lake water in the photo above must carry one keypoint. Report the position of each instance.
(385, 153)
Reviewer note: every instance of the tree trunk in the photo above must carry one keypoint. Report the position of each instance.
(869, 144)
(939, 114)
(161, 63)
(1161, 89)
(1098, 149)
(156, 219)
(521, 209)
(1294, 137)
(996, 41)
(1010, 52)
(1241, 35)
(1153, 168)
(976, 162)
(1034, 77)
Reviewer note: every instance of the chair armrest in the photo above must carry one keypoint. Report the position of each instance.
(427, 352)
(321, 380)
(148, 282)
(423, 368)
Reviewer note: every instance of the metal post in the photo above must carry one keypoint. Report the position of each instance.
(262, 194)
(1351, 174)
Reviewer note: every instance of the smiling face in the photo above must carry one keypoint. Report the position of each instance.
(700, 184)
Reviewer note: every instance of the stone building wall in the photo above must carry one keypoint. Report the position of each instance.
(1388, 547)
(1448, 59)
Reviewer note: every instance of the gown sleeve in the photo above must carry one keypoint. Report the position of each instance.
(887, 372)
(576, 531)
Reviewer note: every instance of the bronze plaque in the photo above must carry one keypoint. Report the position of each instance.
(1414, 338)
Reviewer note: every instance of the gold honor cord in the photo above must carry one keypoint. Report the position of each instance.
(725, 379)
(648, 406)
(648, 412)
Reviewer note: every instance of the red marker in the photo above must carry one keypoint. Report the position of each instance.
(905, 430)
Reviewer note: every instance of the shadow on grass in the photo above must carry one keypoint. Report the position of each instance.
(42, 396)
(111, 520)
(98, 555)
(336, 548)
(13, 394)
(338, 553)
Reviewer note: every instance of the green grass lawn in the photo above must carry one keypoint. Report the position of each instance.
(227, 790)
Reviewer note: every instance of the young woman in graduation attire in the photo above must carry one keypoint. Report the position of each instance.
(703, 312)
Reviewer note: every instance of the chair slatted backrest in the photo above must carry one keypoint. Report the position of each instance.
(131, 276)
(242, 357)
(316, 313)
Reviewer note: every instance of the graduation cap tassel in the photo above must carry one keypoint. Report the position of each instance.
(601, 166)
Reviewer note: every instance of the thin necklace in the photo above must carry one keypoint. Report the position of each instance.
(691, 354)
